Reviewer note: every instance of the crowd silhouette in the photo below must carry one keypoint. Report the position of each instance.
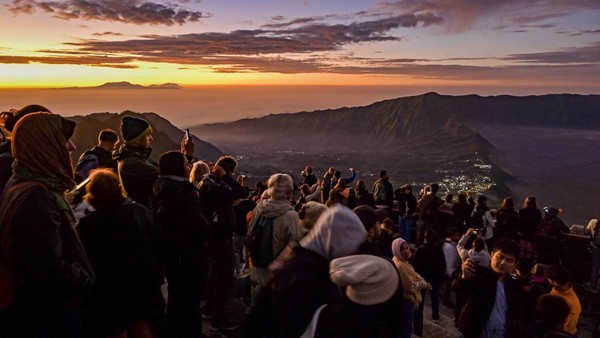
(117, 245)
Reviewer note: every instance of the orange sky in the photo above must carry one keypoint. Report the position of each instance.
(544, 45)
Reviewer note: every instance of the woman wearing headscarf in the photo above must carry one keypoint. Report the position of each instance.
(300, 280)
(38, 244)
(412, 284)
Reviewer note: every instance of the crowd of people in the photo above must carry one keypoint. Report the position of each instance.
(328, 260)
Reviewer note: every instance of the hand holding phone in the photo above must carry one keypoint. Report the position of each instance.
(187, 133)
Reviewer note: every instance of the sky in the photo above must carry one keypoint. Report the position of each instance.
(487, 46)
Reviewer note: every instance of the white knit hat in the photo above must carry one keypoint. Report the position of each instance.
(370, 279)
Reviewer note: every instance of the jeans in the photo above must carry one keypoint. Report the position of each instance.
(435, 308)
(404, 224)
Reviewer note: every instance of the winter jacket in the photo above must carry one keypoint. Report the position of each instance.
(480, 258)
(182, 225)
(217, 197)
(53, 270)
(480, 295)
(121, 244)
(364, 197)
(137, 173)
(300, 284)
(507, 221)
(529, 219)
(91, 159)
(383, 192)
(429, 262)
(286, 229)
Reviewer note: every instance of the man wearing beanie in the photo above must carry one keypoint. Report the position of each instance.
(136, 170)
(100, 156)
(372, 306)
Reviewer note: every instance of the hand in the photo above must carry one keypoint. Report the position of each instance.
(188, 146)
(429, 286)
(468, 269)
(470, 231)
(70, 196)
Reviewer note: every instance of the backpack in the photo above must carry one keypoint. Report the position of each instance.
(430, 214)
(260, 242)
(88, 162)
(548, 228)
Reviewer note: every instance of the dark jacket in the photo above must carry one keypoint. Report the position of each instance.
(121, 244)
(49, 261)
(529, 219)
(462, 213)
(217, 197)
(479, 297)
(364, 197)
(183, 227)
(300, 284)
(6, 161)
(91, 159)
(310, 179)
(389, 192)
(429, 262)
(137, 173)
(507, 221)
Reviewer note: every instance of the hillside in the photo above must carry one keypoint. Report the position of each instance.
(424, 138)
(166, 136)
(401, 119)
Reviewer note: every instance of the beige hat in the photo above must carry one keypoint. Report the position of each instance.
(370, 279)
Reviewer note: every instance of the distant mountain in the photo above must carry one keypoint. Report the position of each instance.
(166, 136)
(128, 85)
(391, 121)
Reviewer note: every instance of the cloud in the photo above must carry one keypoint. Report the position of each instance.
(138, 12)
(461, 15)
(587, 54)
(108, 34)
(580, 32)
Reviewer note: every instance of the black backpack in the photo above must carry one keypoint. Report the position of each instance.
(260, 242)
(476, 220)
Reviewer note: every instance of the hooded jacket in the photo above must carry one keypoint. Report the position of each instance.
(136, 172)
(286, 229)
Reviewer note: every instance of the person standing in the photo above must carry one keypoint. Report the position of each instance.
(218, 191)
(100, 156)
(137, 172)
(492, 297)
(120, 238)
(383, 191)
(558, 277)
(52, 274)
(429, 208)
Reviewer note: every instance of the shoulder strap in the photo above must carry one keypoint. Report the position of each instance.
(312, 326)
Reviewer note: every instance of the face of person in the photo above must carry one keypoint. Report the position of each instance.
(502, 263)
(146, 141)
(405, 251)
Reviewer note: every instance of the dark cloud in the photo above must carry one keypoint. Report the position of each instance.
(137, 12)
(588, 54)
(580, 32)
(107, 34)
(460, 15)
(299, 39)
(87, 60)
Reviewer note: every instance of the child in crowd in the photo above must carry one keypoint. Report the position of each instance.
(478, 253)
(558, 277)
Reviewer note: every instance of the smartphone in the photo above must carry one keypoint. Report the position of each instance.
(187, 133)
(475, 232)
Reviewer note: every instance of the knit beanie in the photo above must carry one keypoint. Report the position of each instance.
(134, 129)
(369, 279)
